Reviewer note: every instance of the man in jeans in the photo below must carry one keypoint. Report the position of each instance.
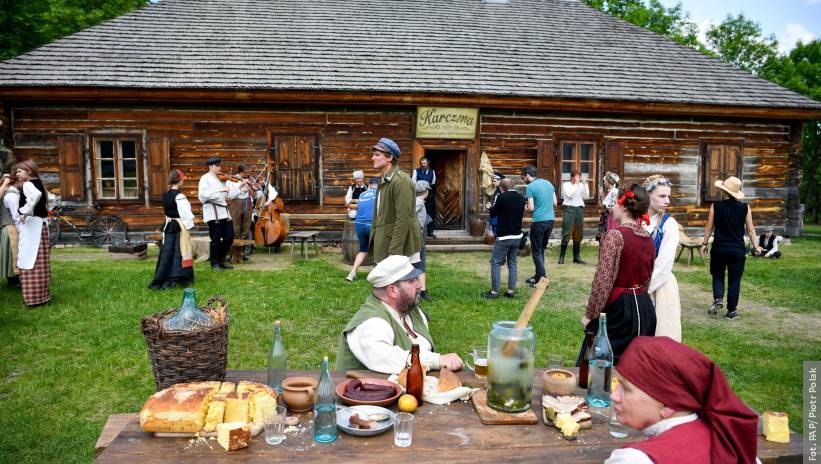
(541, 198)
(508, 209)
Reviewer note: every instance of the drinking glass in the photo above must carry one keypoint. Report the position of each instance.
(403, 429)
(275, 425)
(477, 361)
(555, 361)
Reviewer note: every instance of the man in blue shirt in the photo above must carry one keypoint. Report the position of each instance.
(363, 220)
(541, 198)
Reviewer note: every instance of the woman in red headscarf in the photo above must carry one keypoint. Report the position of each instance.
(626, 256)
(681, 400)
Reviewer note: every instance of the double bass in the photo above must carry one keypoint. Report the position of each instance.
(270, 229)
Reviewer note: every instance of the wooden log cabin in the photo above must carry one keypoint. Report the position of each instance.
(310, 85)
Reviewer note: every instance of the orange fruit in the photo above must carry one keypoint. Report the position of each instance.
(407, 403)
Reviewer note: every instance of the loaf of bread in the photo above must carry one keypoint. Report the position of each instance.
(233, 435)
(179, 408)
(448, 380)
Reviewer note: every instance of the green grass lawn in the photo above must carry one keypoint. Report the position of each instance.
(69, 365)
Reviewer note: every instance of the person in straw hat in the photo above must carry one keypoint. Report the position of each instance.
(729, 219)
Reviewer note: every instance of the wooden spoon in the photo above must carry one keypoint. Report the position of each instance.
(510, 346)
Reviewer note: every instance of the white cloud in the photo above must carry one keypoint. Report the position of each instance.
(793, 33)
(705, 26)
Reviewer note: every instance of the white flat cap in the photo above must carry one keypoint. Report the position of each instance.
(394, 268)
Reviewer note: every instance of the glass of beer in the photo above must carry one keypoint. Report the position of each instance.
(477, 361)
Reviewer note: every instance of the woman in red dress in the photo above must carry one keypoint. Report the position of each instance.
(626, 256)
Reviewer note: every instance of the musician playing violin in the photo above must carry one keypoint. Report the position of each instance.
(242, 207)
(214, 195)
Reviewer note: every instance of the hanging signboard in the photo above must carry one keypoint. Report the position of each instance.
(433, 122)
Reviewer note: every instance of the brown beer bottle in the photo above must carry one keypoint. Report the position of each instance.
(416, 376)
(585, 359)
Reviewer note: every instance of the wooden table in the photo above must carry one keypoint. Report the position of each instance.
(441, 434)
(303, 236)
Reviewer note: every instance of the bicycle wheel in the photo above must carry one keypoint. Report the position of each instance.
(53, 225)
(107, 230)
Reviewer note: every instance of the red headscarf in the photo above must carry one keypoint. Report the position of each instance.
(683, 379)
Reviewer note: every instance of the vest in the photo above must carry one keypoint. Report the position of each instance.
(356, 191)
(425, 174)
(635, 264)
(169, 203)
(371, 308)
(730, 218)
(666, 448)
(658, 234)
(40, 208)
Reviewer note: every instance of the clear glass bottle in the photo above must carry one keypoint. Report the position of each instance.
(189, 316)
(277, 360)
(325, 407)
(601, 365)
(510, 353)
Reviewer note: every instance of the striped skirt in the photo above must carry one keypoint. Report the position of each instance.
(36, 281)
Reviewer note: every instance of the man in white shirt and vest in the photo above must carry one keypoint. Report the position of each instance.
(214, 196)
(573, 194)
(380, 334)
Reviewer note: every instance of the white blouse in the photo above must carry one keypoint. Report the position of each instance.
(184, 209)
(610, 199)
(663, 268)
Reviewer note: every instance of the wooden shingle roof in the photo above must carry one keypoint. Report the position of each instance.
(527, 48)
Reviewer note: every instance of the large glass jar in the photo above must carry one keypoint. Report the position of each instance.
(510, 354)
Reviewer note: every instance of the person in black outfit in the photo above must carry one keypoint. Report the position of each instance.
(728, 218)
(509, 209)
(175, 268)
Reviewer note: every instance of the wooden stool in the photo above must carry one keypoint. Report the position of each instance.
(238, 248)
(303, 236)
(689, 244)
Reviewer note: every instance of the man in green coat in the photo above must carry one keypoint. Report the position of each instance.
(379, 336)
(395, 228)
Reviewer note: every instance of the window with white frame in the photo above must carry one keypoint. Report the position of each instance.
(582, 156)
(116, 168)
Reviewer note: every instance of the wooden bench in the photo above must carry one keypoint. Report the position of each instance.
(689, 244)
(303, 236)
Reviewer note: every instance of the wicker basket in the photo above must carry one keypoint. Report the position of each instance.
(178, 356)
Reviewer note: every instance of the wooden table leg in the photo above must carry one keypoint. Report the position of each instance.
(293, 244)
(316, 249)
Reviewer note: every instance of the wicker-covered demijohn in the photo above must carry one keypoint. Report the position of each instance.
(185, 356)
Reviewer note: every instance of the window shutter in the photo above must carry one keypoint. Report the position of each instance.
(614, 158)
(297, 160)
(72, 185)
(307, 168)
(284, 165)
(545, 161)
(158, 166)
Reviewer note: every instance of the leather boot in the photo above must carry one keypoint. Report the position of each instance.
(577, 249)
(562, 252)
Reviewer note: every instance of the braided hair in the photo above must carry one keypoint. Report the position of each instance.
(635, 199)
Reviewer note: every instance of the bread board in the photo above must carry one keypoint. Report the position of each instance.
(490, 416)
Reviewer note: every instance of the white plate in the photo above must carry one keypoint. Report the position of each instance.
(343, 415)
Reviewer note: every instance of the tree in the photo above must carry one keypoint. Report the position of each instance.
(28, 24)
(738, 41)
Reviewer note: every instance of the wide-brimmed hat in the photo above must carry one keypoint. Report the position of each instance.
(394, 268)
(731, 185)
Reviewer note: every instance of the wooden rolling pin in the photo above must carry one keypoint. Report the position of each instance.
(510, 346)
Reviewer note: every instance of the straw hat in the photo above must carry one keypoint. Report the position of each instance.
(731, 185)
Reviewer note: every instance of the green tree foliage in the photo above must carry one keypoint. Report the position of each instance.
(27, 24)
(738, 41)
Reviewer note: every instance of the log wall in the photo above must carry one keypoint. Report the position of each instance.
(650, 145)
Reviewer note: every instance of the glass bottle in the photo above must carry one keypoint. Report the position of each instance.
(325, 407)
(416, 376)
(189, 316)
(601, 364)
(510, 353)
(584, 362)
(277, 361)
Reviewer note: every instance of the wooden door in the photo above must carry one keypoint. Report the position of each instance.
(296, 166)
(450, 184)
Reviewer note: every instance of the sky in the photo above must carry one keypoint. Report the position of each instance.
(788, 20)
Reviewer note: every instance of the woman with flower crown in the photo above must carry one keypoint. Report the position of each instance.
(619, 289)
(663, 230)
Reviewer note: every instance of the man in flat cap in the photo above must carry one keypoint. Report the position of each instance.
(395, 229)
(380, 334)
(214, 196)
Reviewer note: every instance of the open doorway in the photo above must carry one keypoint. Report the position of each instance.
(449, 166)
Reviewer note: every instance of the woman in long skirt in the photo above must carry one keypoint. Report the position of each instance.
(663, 286)
(175, 265)
(34, 259)
(619, 289)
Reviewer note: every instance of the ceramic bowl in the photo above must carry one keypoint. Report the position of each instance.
(299, 393)
(558, 382)
(340, 392)
(343, 420)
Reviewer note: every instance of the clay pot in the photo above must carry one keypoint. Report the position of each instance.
(558, 382)
(299, 393)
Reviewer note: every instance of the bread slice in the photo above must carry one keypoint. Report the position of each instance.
(776, 427)
(236, 408)
(448, 380)
(216, 412)
(176, 409)
(233, 435)
(228, 387)
(260, 405)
